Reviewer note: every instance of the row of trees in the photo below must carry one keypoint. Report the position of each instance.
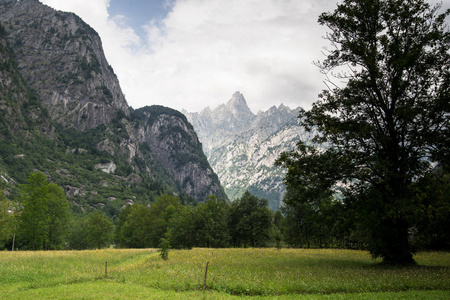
(247, 222)
(41, 219)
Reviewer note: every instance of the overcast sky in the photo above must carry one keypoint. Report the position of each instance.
(189, 54)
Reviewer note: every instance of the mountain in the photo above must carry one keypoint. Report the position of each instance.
(242, 147)
(62, 112)
(62, 59)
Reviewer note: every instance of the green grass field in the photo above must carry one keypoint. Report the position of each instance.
(232, 274)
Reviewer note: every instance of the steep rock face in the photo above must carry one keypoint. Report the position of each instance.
(61, 57)
(175, 145)
(248, 163)
(12, 91)
(19, 107)
(244, 158)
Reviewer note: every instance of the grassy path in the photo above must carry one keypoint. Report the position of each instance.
(232, 274)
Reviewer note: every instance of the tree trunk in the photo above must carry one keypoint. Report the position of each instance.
(398, 251)
(403, 251)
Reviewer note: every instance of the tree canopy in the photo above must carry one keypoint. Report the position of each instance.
(99, 230)
(44, 213)
(250, 221)
(382, 133)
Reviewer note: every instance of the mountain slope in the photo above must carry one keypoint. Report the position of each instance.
(174, 143)
(242, 147)
(61, 57)
(62, 112)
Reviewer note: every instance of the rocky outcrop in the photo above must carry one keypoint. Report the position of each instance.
(19, 108)
(109, 167)
(242, 147)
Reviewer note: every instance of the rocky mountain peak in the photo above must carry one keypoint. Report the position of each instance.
(206, 111)
(238, 106)
(272, 110)
(236, 109)
(237, 99)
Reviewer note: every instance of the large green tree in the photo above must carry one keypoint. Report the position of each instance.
(99, 230)
(204, 225)
(78, 237)
(133, 229)
(250, 222)
(161, 213)
(211, 223)
(141, 226)
(384, 120)
(44, 214)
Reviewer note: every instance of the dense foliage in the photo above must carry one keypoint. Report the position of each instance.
(44, 214)
(252, 221)
(7, 221)
(210, 224)
(40, 218)
(382, 134)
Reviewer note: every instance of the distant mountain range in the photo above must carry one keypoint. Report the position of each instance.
(242, 147)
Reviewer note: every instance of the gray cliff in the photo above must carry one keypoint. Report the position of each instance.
(62, 59)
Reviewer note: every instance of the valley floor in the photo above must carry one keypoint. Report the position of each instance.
(232, 274)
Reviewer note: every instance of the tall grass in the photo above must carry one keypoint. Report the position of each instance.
(250, 272)
(27, 269)
(273, 272)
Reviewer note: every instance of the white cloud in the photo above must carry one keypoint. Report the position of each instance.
(204, 51)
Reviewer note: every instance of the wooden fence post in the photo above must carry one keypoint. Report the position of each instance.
(206, 274)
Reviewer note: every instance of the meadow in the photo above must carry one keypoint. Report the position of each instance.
(232, 274)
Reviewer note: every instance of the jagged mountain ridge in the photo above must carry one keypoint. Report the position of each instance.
(242, 147)
(74, 123)
(226, 121)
